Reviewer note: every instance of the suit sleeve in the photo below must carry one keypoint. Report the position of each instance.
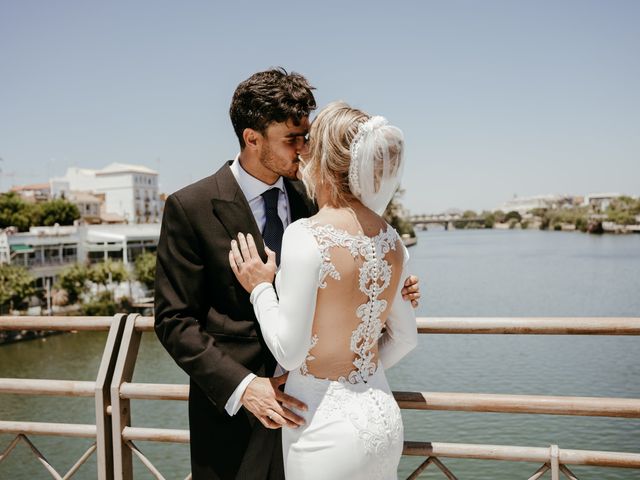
(401, 333)
(286, 322)
(180, 306)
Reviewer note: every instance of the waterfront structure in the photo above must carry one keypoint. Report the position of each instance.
(46, 251)
(526, 204)
(130, 191)
(599, 202)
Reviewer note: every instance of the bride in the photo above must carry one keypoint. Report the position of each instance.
(336, 319)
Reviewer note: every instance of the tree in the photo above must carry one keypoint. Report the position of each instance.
(499, 216)
(74, 280)
(108, 271)
(15, 212)
(395, 215)
(16, 285)
(513, 215)
(145, 268)
(489, 220)
(58, 211)
(102, 305)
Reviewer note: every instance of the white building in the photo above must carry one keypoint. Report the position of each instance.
(526, 204)
(130, 191)
(46, 251)
(600, 201)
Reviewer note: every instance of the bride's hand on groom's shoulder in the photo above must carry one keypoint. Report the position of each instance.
(247, 265)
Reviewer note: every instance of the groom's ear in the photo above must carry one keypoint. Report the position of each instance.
(251, 137)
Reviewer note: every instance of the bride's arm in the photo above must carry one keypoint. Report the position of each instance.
(286, 319)
(401, 334)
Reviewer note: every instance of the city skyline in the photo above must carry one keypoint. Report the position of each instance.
(495, 99)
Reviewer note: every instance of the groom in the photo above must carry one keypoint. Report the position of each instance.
(203, 316)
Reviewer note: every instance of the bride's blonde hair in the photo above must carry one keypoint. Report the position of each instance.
(354, 155)
(330, 138)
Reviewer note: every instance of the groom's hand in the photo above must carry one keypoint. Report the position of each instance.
(411, 290)
(268, 403)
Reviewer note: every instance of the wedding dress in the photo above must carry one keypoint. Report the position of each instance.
(337, 321)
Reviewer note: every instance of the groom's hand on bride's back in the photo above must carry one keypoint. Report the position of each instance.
(270, 405)
(411, 290)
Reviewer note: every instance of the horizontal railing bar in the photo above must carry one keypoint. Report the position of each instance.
(144, 324)
(531, 325)
(521, 454)
(533, 404)
(154, 391)
(55, 323)
(468, 402)
(448, 325)
(155, 434)
(508, 325)
(52, 429)
(62, 388)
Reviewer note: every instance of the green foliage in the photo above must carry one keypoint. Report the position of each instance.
(74, 280)
(582, 223)
(395, 215)
(554, 219)
(621, 217)
(500, 216)
(513, 215)
(15, 212)
(58, 211)
(489, 220)
(108, 271)
(623, 210)
(16, 285)
(145, 268)
(102, 305)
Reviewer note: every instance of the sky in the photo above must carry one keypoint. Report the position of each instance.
(495, 98)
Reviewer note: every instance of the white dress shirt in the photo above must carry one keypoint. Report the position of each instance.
(252, 188)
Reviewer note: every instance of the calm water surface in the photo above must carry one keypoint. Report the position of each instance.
(464, 273)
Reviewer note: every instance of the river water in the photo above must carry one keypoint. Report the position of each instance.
(463, 273)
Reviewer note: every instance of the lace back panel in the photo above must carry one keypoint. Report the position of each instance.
(357, 282)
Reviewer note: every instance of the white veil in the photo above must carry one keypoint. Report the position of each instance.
(376, 163)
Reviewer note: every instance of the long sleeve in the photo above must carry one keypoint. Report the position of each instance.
(286, 323)
(401, 334)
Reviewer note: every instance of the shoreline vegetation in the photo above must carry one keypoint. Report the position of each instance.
(622, 215)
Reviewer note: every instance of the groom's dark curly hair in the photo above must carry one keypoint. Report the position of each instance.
(270, 96)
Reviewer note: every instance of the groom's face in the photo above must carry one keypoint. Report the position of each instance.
(282, 144)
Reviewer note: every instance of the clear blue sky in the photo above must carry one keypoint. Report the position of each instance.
(495, 97)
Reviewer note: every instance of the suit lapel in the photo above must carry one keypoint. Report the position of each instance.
(231, 207)
(299, 204)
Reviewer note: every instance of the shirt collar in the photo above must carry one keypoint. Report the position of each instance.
(250, 185)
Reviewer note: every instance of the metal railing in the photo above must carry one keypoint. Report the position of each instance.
(113, 391)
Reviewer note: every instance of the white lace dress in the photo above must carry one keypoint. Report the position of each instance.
(337, 321)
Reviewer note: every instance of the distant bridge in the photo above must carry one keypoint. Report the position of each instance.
(421, 222)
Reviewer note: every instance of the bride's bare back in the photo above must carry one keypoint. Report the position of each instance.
(362, 261)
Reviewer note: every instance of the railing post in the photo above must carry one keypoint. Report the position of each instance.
(104, 440)
(555, 462)
(120, 407)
